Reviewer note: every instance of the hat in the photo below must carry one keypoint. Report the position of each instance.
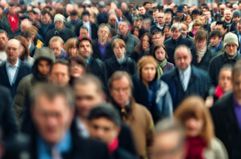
(59, 17)
(236, 13)
(230, 38)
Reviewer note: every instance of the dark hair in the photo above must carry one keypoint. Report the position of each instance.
(106, 111)
(215, 33)
(158, 47)
(24, 42)
(77, 60)
(83, 39)
(85, 13)
(3, 32)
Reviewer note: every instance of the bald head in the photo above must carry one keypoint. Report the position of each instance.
(182, 57)
(13, 50)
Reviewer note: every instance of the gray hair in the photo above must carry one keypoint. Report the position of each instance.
(176, 26)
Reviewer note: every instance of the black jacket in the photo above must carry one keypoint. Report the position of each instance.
(199, 84)
(172, 44)
(217, 63)
(65, 34)
(226, 125)
(108, 52)
(94, 29)
(7, 115)
(113, 65)
(205, 61)
(22, 71)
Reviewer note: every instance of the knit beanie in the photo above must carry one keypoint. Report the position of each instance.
(230, 38)
(59, 17)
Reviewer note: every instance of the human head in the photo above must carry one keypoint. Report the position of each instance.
(85, 48)
(46, 17)
(52, 111)
(3, 39)
(215, 38)
(77, 67)
(13, 50)
(221, 26)
(59, 73)
(160, 18)
(123, 27)
(119, 48)
(85, 16)
(160, 53)
(145, 42)
(43, 61)
(157, 38)
(236, 80)
(59, 20)
(228, 15)
(71, 47)
(104, 123)
(225, 78)
(195, 117)
(83, 32)
(103, 32)
(88, 94)
(163, 147)
(56, 43)
(200, 39)
(182, 57)
(24, 50)
(176, 29)
(147, 69)
(120, 87)
(231, 44)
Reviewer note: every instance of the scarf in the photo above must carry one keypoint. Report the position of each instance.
(113, 146)
(161, 66)
(200, 54)
(195, 148)
(218, 92)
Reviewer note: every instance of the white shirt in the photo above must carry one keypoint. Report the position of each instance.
(185, 77)
(82, 129)
(11, 71)
(87, 25)
(3, 56)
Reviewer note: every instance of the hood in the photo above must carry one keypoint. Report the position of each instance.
(42, 53)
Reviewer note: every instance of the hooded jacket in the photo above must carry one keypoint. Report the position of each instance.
(27, 83)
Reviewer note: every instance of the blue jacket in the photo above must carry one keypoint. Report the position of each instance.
(199, 84)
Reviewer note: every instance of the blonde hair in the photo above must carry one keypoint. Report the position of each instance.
(194, 107)
(119, 42)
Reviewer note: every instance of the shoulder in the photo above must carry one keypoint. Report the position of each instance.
(199, 72)
(169, 74)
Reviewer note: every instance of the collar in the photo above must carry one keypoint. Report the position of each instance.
(13, 66)
(187, 71)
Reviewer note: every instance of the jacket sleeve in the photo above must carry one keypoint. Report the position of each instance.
(168, 107)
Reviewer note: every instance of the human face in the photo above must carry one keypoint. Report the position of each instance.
(201, 44)
(43, 67)
(76, 70)
(193, 127)
(87, 97)
(148, 72)
(236, 81)
(160, 18)
(176, 34)
(119, 51)
(123, 28)
(168, 18)
(3, 41)
(83, 33)
(160, 54)
(59, 25)
(103, 129)
(59, 74)
(227, 15)
(231, 49)
(158, 39)
(215, 41)
(182, 58)
(52, 118)
(73, 51)
(121, 91)
(103, 33)
(225, 80)
(164, 148)
(45, 19)
(57, 47)
(13, 50)
(85, 49)
(239, 26)
(145, 43)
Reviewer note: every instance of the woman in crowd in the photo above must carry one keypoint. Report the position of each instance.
(150, 91)
(71, 47)
(143, 48)
(200, 140)
(161, 56)
(77, 68)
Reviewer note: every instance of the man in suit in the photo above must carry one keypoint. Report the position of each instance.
(226, 115)
(53, 137)
(13, 70)
(185, 79)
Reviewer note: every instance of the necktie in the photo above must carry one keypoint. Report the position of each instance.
(183, 81)
(55, 154)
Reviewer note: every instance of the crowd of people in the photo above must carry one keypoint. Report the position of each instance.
(120, 80)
